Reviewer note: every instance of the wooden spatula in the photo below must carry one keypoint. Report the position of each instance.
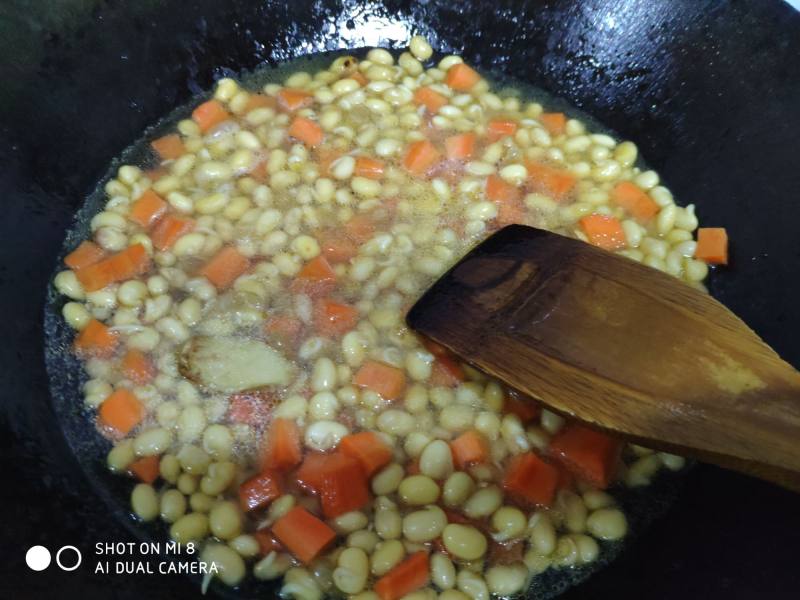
(621, 346)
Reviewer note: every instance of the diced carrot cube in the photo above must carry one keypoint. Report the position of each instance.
(530, 480)
(634, 200)
(260, 490)
(121, 411)
(307, 131)
(96, 340)
(554, 182)
(500, 128)
(461, 77)
(127, 264)
(712, 245)
(344, 486)
(169, 147)
(469, 448)
(259, 101)
(87, 253)
(282, 449)
(147, 209)
(210, 114)
(369, 167)
(303, 534)
(603, 231)
(169, 230)
(138, 367)
(430, 99)
(410, 575)
(555, 123)
(146, 469)
(420, 157)
(225, 267)
(387, 381)
(588, 454)
(291, 99)
(369, 449)
(334, 319)
(460, 147)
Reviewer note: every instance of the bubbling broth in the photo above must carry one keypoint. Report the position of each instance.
(239, 306)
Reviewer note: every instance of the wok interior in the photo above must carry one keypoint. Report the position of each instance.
(679, 82)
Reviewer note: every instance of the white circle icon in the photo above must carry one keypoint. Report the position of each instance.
(38, 558)
(58, 558)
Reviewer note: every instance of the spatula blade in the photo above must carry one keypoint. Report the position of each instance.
(617, 344)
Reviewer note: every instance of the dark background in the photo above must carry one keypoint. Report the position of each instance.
(710, 90)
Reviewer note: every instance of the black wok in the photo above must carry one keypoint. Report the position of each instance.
(709, 90)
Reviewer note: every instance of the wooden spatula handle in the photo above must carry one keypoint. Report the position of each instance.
(614, 343)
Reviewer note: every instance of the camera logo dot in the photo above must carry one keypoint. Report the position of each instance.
(38, 558)
(68, 558)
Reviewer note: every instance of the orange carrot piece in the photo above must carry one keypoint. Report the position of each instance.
(555, 123)
(317, 269)
(500, 128)
(343, 487)
(147, 209)
(96, 340)
(446, 372)
(410, 575)
(369, 167)
(307, 131)
(337, 247)
(634, 200)
(588, 454)
(259, 101)
(138, 367)
(252, 407)
(499, 190)
(169, 230)
(603, 231)
(712, 245)
(510, 212)
(468, 449)
(460, 147)
(420, 157)
(369, 449)
(224, 267)
(87, 253)
(284, 328)
(291, 99)
(387, 381)
(168, 147)
(550, 180)
(127, 264)
(210, 114)
(303, 534)
(309, 474)
(334, 319)
(260, 490)
(521, 406)
(430, 99)
(325, 158)
(530, 480)
(282, 450)
(510, 208)
(360, 228)
(461, 77)
(121, 411)
(146, 469)
(434, 348)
